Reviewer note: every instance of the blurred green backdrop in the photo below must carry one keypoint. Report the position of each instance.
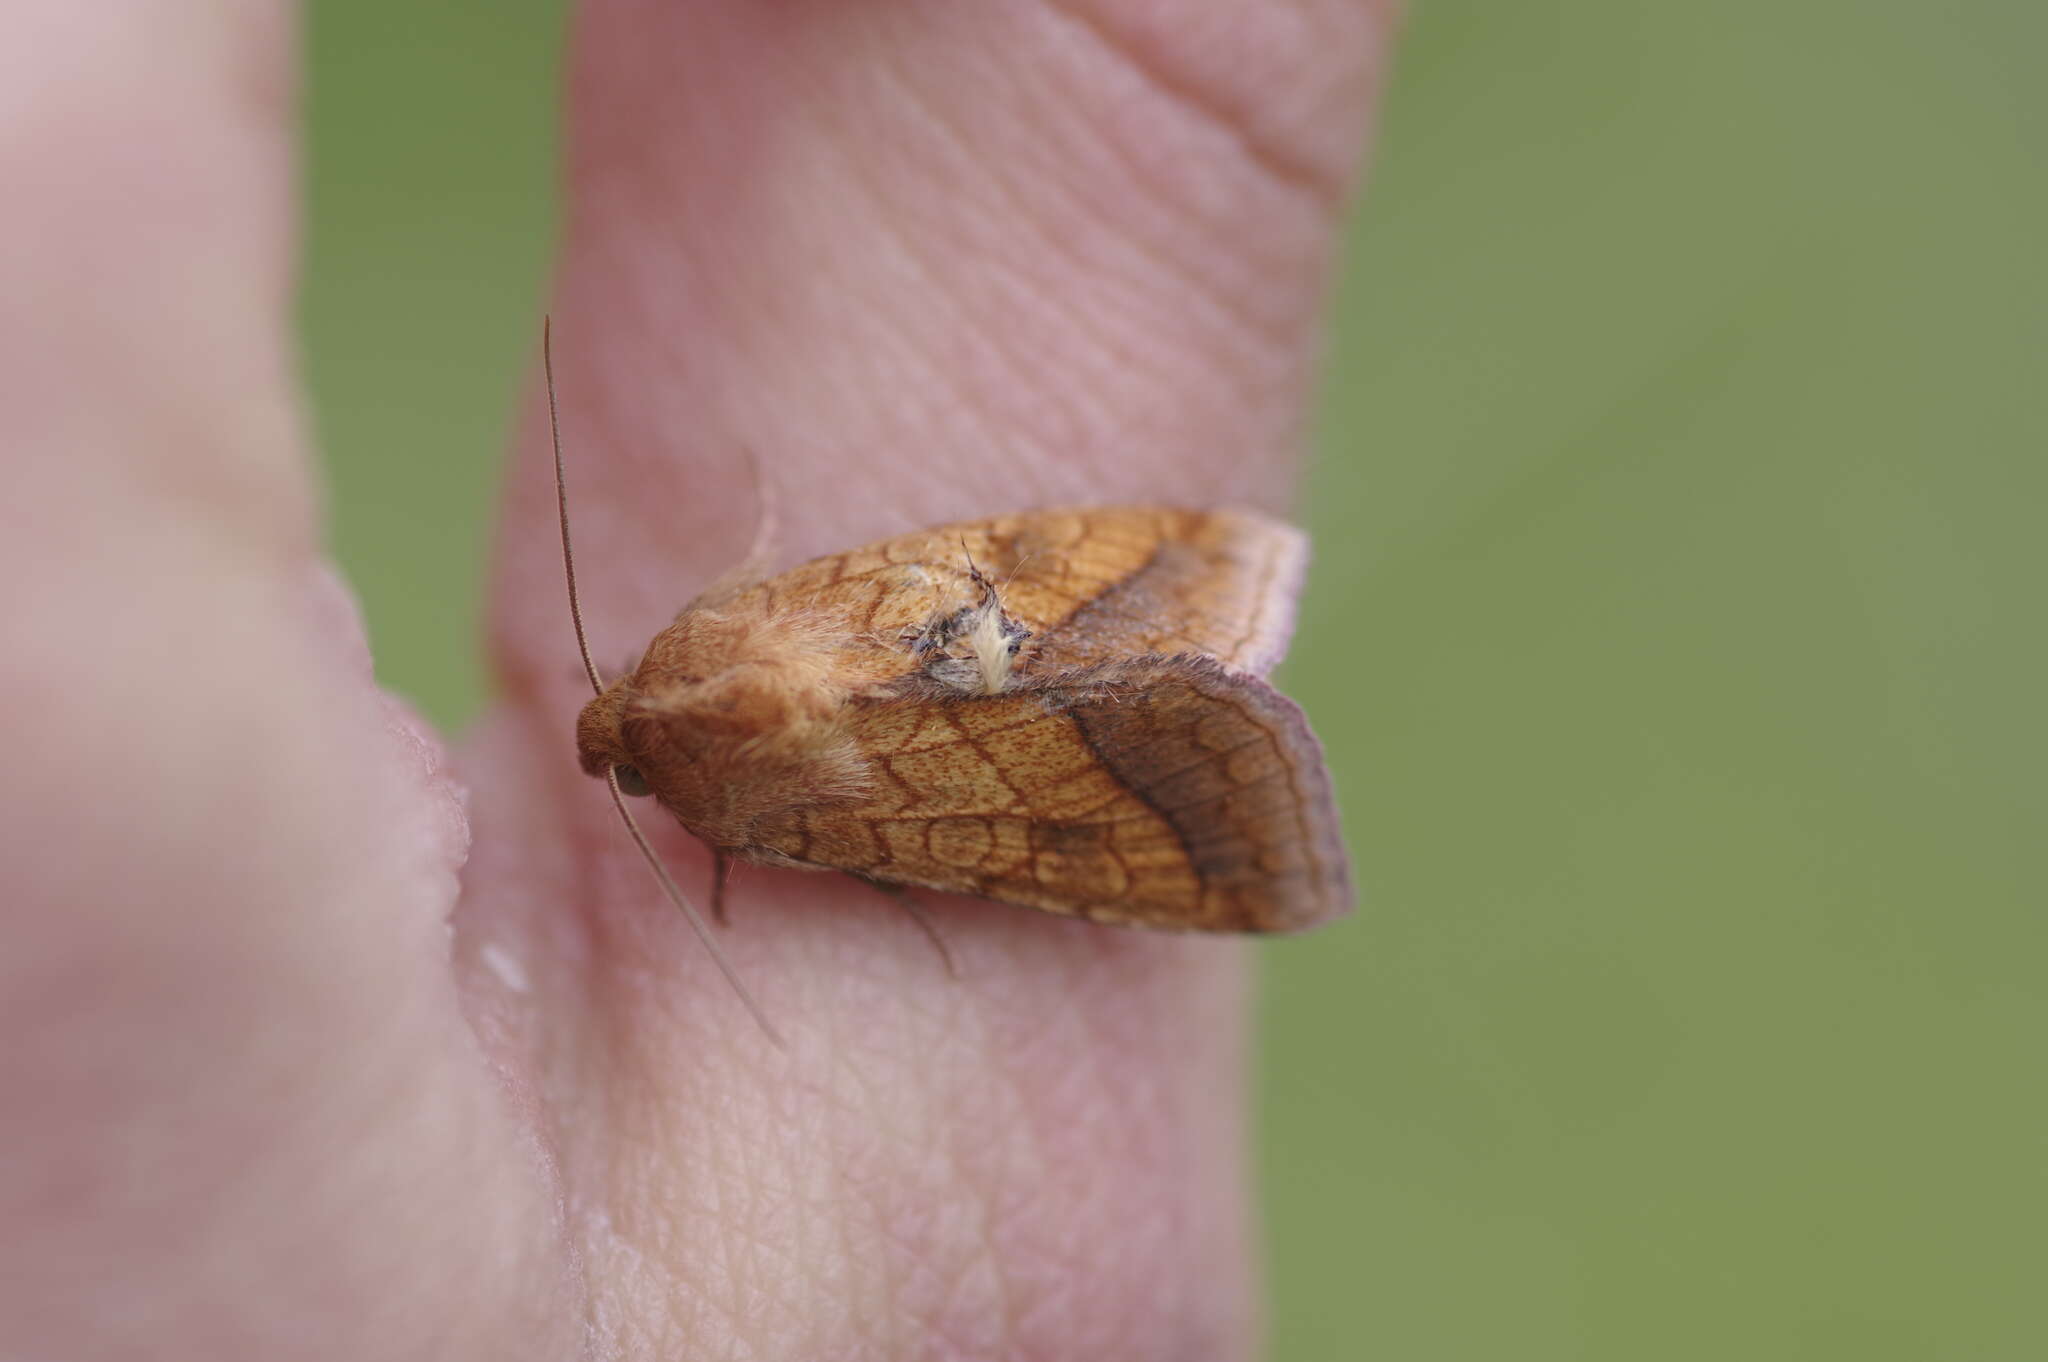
(1676, 634)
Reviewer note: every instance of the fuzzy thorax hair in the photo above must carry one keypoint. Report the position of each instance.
(728, 716)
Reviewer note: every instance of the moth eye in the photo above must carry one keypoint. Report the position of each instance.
(631, 782)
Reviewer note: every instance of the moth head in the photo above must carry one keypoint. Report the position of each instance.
(601, 740)
(719, 713)
(653, 739)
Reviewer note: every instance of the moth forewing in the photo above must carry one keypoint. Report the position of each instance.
(1082, 740)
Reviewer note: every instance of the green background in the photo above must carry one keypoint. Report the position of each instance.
(1676, 634)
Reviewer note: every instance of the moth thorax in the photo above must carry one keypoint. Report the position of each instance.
(992, 645)
(762, 704)
(974, 649)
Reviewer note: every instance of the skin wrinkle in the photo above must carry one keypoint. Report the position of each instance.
(1090, 1088)
(1024, 1162)
(986, 363)
(900, 1354)
(641, 1242)
(1236, 83)
(986, 344)
(1019, 197)
(1172, 261)
(945, 1181)
(743, 1218)
(1016, 1228)
(630, 1246)
(887, 1131)
(887, 1127)
(942, 1186)
(1197, 199)
(1280, 164)
(1040, 190)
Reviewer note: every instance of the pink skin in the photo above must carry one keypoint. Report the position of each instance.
(927, 260)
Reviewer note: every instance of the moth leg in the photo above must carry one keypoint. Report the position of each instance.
(903, 899)
(721, 870)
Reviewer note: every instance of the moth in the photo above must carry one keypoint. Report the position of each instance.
(1061, 709)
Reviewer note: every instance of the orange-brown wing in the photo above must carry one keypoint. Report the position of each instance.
(1092, 585)
(1156, 792)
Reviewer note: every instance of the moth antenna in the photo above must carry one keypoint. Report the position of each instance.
(547, 363)
(696, 922)
(749, 571)
(974, 571)
(767, 516)
(611, 775)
